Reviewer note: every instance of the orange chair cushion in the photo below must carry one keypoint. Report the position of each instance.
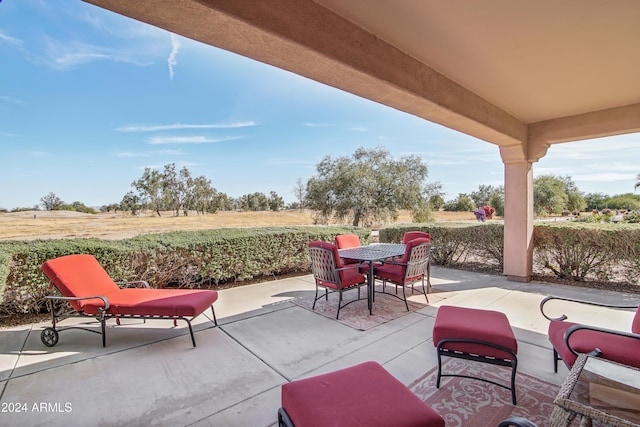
(362, 395)
(347, 241)
(410, 235)
(79, 276)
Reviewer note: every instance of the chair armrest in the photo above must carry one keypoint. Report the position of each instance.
(104, 299)
(564, 317)
(575, 328)
(143, 284)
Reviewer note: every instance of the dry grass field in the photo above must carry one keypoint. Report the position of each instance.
(31, 225)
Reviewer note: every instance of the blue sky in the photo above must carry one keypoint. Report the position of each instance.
(89, 98)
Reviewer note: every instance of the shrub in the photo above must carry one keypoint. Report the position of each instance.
(572, 251)
(452, 242)
(632, 217)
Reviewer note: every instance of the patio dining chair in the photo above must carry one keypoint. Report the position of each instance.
(410, 235)
(407, 270)
(406, 238)
(345, 241)
(331, 274)
(569, 339)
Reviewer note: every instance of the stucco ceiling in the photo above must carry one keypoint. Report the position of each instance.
(536, 60)
(519, 74)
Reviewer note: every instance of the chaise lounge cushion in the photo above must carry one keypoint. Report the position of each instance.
(83, 276)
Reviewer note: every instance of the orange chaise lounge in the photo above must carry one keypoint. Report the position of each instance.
(88, 288)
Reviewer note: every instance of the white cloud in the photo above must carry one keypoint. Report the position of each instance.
(605, 177)
(289, 162)
(130, 154)
(359, 129)
(180, 126)
(10, 40)
(10, 100)
(170, 152)
(318, 125)
(175, 47)
(158, 140)
(613, 146)
(38, 153)
(65, 56)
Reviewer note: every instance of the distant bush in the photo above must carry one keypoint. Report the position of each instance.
(632, 217)
(35, 208)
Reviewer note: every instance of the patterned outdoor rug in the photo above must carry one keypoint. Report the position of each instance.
(356, 314)
(466, 402)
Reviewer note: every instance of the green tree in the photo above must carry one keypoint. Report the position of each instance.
(462, 203)
(51, 202)
(623, 202)
(254, 202)
(130, 202)
(149, 188)
(177, 188)
(77, 207)
(366, 187)
(205, 198)
(434, 195)
(596, 201)
(552, 194)
(576, 200)
(497, 201)
(482, 196)
(548, 195)
(275, 201)
(225, 202)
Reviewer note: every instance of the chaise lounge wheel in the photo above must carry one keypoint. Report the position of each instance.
(49, 337)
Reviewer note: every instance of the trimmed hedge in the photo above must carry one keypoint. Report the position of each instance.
(208, 259)
(456, 243)
(566, 250)
(584, 251)
(195, 259)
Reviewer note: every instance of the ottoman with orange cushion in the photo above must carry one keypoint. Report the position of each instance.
(478, 335)
(361, 395)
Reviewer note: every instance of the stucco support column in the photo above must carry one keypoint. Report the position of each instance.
(518, 214)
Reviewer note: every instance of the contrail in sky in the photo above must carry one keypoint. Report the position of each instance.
(175, 46)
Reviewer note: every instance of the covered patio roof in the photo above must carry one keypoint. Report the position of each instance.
(520, 75)
(506, 72)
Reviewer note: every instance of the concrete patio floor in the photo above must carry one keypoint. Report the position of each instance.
(149, 374)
